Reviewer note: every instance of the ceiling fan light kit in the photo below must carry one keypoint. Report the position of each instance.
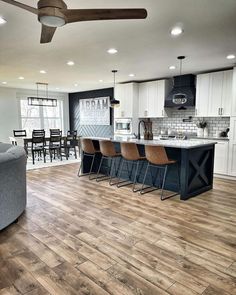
(54, 13)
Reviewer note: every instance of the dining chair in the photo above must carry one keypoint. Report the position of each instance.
(38, 144)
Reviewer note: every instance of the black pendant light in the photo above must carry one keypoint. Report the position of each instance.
(114, 102)
(181, 58)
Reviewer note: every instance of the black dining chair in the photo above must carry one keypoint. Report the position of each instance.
(55, 144)
(38, 145)
(70, 142)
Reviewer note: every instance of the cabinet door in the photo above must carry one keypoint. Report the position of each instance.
(161, 93)
(233, 111)
(227, 93)
(221, 157)
(202, 95)
(143, 100)
(128, 100)
(215, 96)
(232, 147)
(152, 99)
(119, 95)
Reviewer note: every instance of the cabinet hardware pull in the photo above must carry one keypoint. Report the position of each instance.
(222, 111)
(219, 111)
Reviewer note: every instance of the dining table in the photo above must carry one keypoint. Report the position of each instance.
(27, 140)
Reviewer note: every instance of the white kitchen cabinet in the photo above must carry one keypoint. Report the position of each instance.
(227, 93)
(214, 94)
(127, 94)
(221, 157)
(233, 106)
(202, 95)
(143, 100)
(232, 147)
(152, 98)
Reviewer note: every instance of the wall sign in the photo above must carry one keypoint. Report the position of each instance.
(95, 111)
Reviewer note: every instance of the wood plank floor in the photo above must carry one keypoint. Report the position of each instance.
(82, 237)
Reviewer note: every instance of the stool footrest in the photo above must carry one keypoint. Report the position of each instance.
(148, 189)
(168, 197)
(126, 182)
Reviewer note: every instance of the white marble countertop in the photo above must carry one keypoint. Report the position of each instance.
(175, 143)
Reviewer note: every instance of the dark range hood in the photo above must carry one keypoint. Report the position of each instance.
(183, 93)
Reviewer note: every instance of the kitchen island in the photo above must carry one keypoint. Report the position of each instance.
(195, 163)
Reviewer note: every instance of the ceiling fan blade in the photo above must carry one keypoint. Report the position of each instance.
(21, 5)
(47, 34)
(77, 15)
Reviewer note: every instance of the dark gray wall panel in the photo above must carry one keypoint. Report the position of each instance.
(88, 130)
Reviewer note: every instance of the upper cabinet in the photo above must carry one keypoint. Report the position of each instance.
(127, 94)
(233, 109)
(152, 98)
(214, 94)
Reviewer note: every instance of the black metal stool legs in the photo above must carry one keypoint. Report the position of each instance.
(163, 184)
(91, 167)
(152, 188)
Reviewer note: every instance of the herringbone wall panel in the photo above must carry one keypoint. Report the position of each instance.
(89, 130)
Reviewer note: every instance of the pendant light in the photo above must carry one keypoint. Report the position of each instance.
(44, 100)
(181, 58)
(114, 102)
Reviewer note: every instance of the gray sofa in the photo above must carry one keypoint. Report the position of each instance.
(12, 183)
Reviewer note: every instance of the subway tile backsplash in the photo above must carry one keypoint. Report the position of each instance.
(174, 121)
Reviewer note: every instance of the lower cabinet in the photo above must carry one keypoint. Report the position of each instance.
(232, 147)
(221, 157)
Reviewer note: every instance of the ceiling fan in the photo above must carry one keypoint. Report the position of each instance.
(54, 13)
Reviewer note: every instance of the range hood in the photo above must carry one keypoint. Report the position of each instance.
(183, 93)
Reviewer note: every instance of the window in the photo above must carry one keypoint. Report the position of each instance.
(38, 117)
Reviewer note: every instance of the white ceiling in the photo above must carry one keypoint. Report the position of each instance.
(145, 46)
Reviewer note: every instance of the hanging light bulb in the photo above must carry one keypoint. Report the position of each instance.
(114, 102)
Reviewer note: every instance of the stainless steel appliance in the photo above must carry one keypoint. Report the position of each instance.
(123, 127)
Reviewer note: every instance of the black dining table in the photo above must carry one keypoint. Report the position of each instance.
(28, 140)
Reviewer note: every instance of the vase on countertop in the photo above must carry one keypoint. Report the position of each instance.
(206, 132)
(200, 132)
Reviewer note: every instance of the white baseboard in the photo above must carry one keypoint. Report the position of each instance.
(229, 177)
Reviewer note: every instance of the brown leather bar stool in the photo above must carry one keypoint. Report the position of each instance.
(87, 150)
(130, 154)
(109, 153)
(157, 157)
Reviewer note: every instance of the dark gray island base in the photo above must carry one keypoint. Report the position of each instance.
(195, 164)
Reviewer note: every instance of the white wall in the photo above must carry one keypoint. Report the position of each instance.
(10, 109)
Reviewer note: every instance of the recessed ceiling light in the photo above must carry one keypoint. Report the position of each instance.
(131, 75)
(176, 31)
(21, 78)
(112, 51)
(57, 88)
(4, 82)
(42, 72)
(172, 67)
(2, 20)
(76, 85)
(101, 81)
(70, 63)
(230, 56)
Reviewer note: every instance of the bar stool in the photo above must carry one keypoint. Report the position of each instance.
(88, 150)
(157, 157)
(109, 153)
(130, 154)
